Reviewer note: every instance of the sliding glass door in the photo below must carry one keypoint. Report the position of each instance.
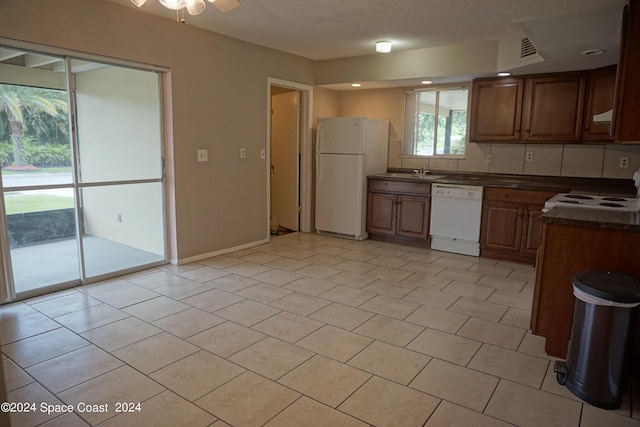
(81, 179)
(119, 168)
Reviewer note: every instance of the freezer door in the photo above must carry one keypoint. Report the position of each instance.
(340, 135)
(340, 194)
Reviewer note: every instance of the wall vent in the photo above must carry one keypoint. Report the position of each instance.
(527, 49)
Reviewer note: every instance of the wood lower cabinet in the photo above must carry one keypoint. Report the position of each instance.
(567, 250)
(398, 211)
(510, 223)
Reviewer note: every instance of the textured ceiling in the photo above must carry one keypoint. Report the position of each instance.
(326, 29)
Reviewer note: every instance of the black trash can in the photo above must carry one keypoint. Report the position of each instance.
(604, 306)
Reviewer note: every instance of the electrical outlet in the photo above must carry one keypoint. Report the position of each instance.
(624, 162)
(263, 154)
(529, 157)
(203, 156)
(489, 158)
(243, 153)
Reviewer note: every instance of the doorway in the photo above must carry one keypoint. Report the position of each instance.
(289, 160)
(81, 184)
(285, 161)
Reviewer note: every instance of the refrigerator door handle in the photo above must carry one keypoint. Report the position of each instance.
(318, 168)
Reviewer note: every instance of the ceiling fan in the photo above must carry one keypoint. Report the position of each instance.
(194, 7)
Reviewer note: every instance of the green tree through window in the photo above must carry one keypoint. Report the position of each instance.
(30, 114)
(435, 122)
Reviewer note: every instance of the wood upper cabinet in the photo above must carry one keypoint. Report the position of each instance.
(600, 90)
(496, 109)
(510, 228)
(626, 110)
(543, 108)
(553, 107)
(398, 211)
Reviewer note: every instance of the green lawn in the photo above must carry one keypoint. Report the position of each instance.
(66, 169)
(21, 203)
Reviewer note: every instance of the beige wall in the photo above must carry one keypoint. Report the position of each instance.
(577, 160)
(218, 102)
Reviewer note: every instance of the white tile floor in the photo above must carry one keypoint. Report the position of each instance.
(305, 331)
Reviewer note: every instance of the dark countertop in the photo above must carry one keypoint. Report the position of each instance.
(593, 218)
(613, 187)
(559, 215)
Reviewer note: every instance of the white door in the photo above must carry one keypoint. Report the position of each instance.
(284, 158)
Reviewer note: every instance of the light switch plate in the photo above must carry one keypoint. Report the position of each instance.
(203, 155)
(263, 154)
(489, 159)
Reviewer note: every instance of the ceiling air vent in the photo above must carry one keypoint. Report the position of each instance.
(527, 50)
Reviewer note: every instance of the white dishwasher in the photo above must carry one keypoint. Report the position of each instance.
(455, 218)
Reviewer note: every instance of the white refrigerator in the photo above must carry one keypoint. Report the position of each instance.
(347, 150)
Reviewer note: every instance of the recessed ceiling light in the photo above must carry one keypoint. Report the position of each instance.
(426, 82)
(504, 74)
(356, 84)
(593, 52)
(383, 46)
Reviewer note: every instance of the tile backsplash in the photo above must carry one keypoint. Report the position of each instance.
(576, 160)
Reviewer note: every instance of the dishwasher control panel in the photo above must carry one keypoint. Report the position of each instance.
(450, 191)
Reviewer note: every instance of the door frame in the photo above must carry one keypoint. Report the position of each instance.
(305, 149)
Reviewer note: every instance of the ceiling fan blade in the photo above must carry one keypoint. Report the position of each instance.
(225, 5)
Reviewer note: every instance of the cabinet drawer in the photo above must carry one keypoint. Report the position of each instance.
(400, 187)
(537, 197)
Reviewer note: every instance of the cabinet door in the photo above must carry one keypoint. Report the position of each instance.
(532, 236)
(502, 226)
(381, 213)
(554, 107)
(496, 110)
(413, 216)
(627, 104)
(602, 84)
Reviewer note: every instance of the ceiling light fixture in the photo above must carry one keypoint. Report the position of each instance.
(383, 46)
(356, 85)
(426, 82)
(194, 7)
(504, 74)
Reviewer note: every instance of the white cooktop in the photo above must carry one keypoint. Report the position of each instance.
(590, 201)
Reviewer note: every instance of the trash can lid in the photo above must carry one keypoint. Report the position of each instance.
(609, 285)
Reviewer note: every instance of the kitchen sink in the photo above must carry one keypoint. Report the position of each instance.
(418, 176)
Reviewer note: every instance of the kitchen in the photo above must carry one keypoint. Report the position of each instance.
(198, 233)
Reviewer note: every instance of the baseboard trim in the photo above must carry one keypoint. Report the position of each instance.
(195, 258)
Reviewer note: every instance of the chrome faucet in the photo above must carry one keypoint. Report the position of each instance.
(422, 171)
